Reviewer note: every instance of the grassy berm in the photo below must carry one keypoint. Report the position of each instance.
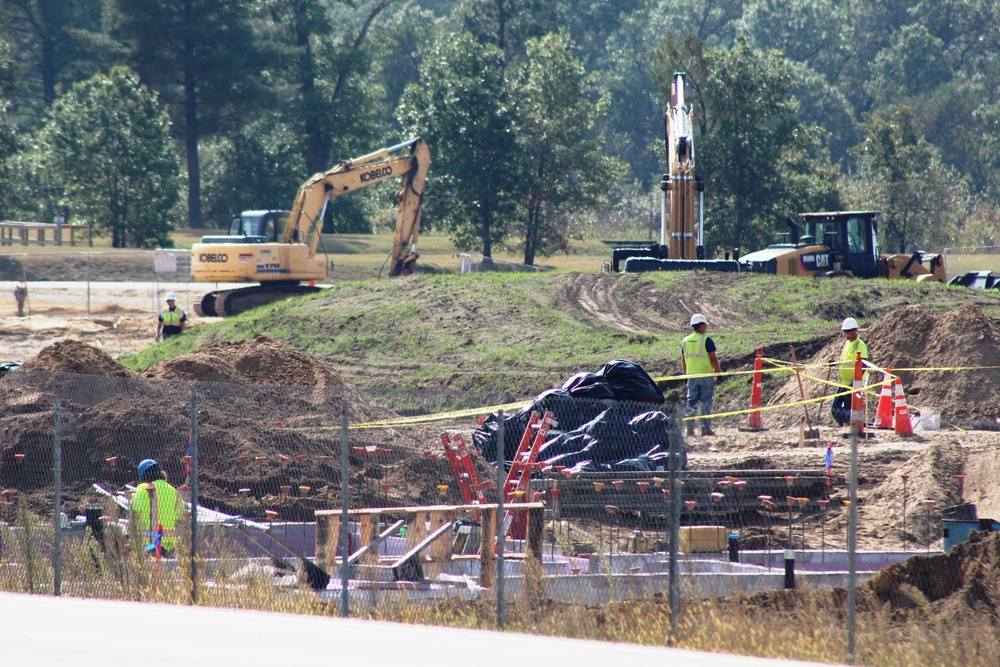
(514, 335)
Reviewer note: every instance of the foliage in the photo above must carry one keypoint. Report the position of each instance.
(107, 147)
(203, 58)
(759, 162)
(322, 80)
(563, 171)
(463, 109)
(902, 175)
(258, 167)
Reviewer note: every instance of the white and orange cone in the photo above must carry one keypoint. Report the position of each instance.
(886, 404)
(903, 426)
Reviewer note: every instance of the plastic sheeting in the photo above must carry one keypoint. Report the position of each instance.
(606, 421)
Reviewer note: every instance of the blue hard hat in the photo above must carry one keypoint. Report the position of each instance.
(144, 466)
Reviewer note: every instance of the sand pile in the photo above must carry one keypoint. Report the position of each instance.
(72, 356)
(914, 337)
(964, 581)
(272, 428)
(260, 360)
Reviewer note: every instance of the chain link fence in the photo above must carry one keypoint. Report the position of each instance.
(599, 508)
(96, 283)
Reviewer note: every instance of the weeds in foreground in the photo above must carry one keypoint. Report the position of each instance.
(804, 625)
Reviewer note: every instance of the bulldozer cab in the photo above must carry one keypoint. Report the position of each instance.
(850, 237)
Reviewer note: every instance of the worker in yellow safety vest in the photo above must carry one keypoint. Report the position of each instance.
(841, 407)
(698, 358)
(172, 319)
(156, 507)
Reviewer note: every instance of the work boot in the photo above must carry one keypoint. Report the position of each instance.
(690, 431)
(707, 431)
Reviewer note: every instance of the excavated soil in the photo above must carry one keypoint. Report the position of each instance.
(963, 583)
(269, 420)
(72, 356)
(963, 343)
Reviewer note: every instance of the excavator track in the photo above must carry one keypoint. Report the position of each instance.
(226, 303)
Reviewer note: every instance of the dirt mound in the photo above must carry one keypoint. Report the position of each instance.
(915, 337)
(963, 581)
(72, 356)
(269, 421)
(260, 360)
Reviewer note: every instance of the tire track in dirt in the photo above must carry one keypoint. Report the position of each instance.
(628, 303)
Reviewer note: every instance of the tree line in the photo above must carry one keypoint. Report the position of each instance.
(544, 117)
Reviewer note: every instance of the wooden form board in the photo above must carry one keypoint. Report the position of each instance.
(421, 521)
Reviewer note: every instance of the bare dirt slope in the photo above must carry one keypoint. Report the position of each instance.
(963, 343)
(628, 302)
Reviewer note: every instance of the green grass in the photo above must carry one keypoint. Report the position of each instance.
(453, 331)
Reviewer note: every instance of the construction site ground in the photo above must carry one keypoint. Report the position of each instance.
(956, 335)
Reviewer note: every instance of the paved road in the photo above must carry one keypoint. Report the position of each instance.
(43, 630)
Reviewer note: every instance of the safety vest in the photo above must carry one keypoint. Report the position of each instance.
(847, 359)
(172, 318)
(695, 355)
(164, 508)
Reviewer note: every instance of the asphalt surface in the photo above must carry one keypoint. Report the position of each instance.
(45, 630)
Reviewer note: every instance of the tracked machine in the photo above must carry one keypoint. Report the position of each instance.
(843, 243)
(277, 249)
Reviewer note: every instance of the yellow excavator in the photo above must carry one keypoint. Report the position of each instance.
(844, 243)
(277, 249)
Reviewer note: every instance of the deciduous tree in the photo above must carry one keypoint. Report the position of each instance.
(107, 145)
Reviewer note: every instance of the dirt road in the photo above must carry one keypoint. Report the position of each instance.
(121, 319)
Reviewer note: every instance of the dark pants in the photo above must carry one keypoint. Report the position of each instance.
(841, 409)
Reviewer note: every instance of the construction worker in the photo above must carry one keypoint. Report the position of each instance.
(698, 358)
(841, 407)
(156, 506)
(172, 319)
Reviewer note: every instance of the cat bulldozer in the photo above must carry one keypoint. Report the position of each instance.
(841, 244)
(277, 249)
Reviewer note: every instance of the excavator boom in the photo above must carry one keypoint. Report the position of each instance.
(281, 265)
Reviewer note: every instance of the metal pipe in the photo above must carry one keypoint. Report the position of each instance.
(501, 529)
(194, 494)
(57, 480)
(345, 474)
(852, 546)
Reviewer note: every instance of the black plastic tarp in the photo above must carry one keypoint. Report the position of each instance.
(606, 420)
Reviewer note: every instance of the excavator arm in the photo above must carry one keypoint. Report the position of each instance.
(289, 266)
(306, 219)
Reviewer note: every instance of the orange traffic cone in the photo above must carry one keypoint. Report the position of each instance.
(857, 398)
(754, 422)
(903, 426)
(883, 415)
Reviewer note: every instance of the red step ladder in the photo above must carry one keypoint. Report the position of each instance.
(525, 462)
(461, 466)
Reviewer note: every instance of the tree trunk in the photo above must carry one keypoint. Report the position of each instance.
(48, 70)
(191, 140)
(317, 142)
(485, 221)
(531, 233)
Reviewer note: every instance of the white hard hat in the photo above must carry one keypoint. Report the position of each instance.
(849, 323)
(698, 318)
(171, 296)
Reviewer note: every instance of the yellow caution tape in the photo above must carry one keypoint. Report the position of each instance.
(781, 367)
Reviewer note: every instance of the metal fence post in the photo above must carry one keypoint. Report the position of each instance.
(194, 494)
(88, 284)
(57, 481)
(345, 473)
(501, 533)
(675, 439)
(852, 545)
